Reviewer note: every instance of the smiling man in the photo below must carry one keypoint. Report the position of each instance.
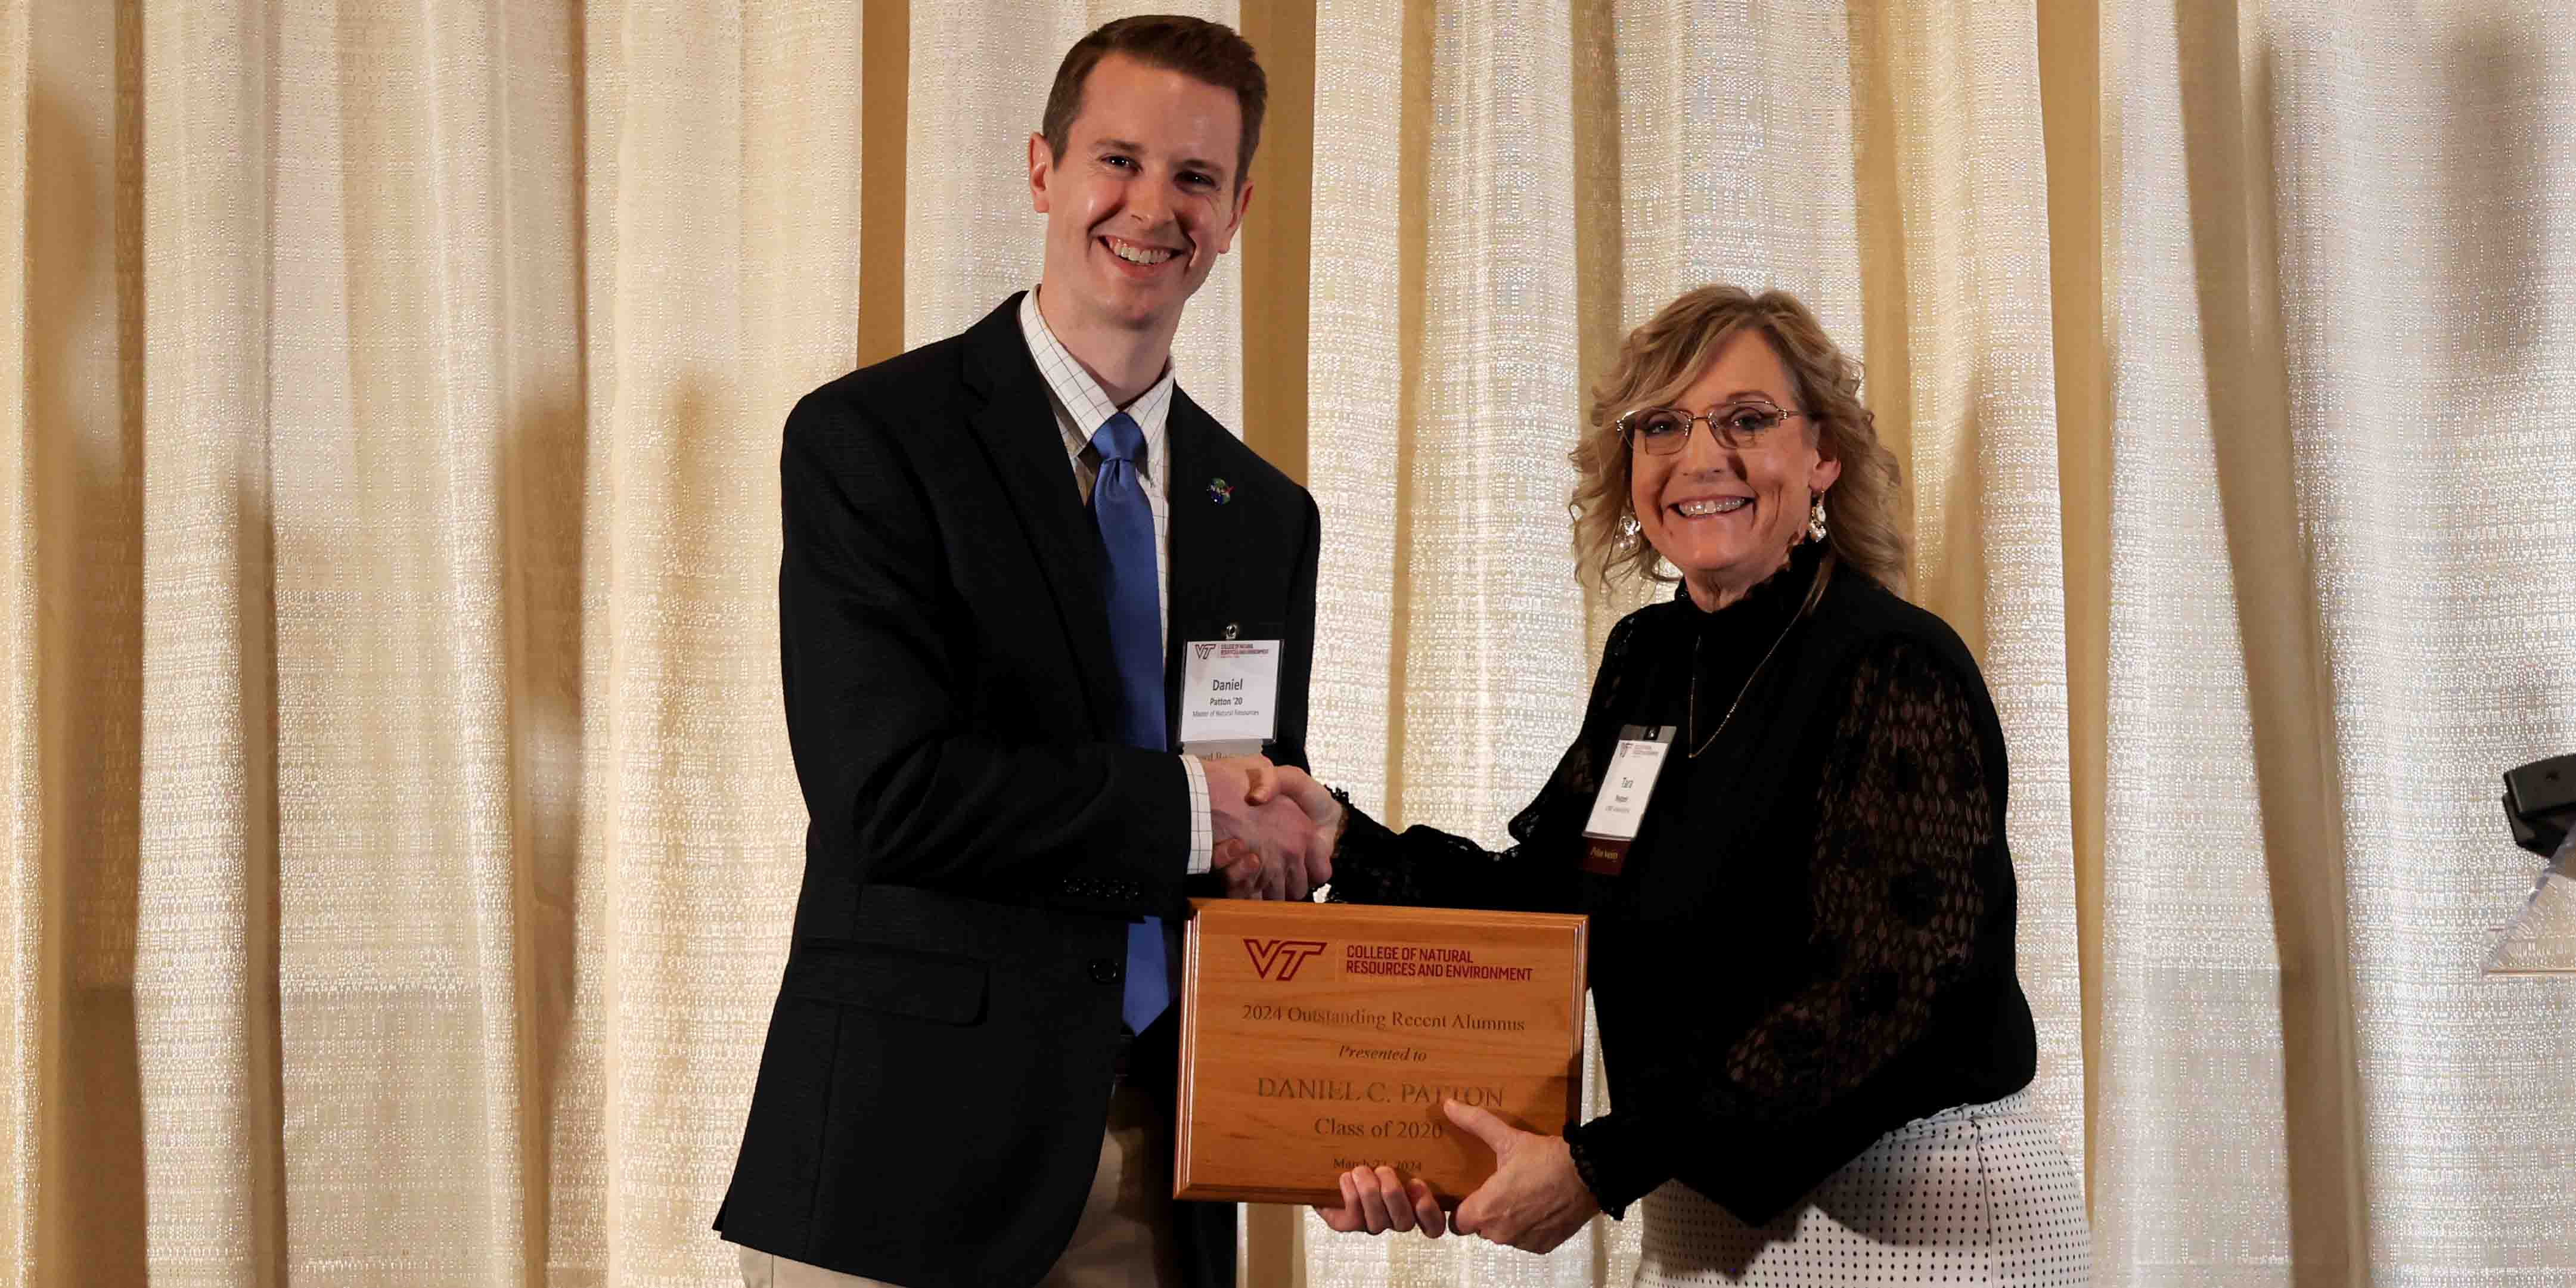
(998, 551)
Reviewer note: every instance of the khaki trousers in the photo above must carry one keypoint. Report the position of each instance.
(1123, 1237)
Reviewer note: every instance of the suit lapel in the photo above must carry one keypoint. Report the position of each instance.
(1201, 536)
(1018, 431)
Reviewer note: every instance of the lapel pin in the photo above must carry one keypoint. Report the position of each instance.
(1219, 490)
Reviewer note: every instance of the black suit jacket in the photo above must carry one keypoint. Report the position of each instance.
(931, 1097)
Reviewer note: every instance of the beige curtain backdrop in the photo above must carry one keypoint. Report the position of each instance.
(399, 832)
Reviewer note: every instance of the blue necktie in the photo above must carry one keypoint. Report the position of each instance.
(1136, 645)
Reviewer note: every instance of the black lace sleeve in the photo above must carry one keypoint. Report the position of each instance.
(1902, 814)
(1904, 809)
(1426, 867)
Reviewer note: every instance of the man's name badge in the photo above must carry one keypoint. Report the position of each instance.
(1229, 695)
(1626, 785)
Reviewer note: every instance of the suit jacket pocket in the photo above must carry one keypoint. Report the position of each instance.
(940, 987)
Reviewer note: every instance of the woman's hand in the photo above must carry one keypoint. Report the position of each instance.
(1535, 1199)
(1270, 845)
(1323, 816)
(1377, 1200)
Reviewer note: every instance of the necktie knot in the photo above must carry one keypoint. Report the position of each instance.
(1119, 439)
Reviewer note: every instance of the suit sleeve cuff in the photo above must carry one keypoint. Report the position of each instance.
(1202, 826)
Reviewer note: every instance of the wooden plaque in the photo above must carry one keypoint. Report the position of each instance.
(1318, 1037)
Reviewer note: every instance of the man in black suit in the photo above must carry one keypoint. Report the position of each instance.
(998, 550)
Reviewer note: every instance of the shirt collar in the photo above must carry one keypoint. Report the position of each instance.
(1083, 407)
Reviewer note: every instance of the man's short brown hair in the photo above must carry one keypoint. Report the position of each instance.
(1196, 48)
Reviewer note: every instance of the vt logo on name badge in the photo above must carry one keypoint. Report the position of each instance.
(1627, 784)
(1229, 693)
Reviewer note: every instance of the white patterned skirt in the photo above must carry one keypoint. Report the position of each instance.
(1980, 1194)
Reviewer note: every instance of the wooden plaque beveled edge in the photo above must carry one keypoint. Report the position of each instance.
(1182, 1186)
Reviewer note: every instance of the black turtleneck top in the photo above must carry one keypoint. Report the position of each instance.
(1810, 941)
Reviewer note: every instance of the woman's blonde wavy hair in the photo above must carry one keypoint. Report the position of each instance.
(1661, 358)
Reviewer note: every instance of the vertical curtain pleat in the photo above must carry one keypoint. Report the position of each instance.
(539, 442)
(1355, 367)
(206, 930)
(1736, 138)
(2070, 87)
(29, 947)
(979, 87)
(398, 856)
(2197, 986)
(1495, 670)
(1978, 435)
(717, 318)
(76, 315)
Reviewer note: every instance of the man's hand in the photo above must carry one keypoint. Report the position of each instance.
(1377, 1200)
(1242, 869)
(1535, 1199)
(1246, 808)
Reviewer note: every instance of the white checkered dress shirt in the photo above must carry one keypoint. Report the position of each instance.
(1080, 410)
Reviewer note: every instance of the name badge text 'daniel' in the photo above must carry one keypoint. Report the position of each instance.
(1229, 691)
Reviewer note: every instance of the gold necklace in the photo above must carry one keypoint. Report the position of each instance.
(1815, 591)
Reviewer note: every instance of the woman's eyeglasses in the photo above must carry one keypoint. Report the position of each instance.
(1661, 431)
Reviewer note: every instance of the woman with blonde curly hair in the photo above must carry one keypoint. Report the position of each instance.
(1802, 914)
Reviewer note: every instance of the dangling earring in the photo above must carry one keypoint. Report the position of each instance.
(1816, 517)
(1628, 529)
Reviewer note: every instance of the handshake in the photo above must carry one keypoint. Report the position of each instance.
(1276, 827)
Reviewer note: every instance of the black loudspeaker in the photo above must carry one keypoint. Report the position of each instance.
(2540, 803)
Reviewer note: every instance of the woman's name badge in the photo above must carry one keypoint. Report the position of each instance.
(1229, 693)
(1626, 785)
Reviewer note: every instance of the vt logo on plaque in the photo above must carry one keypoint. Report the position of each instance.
(1281, 955)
